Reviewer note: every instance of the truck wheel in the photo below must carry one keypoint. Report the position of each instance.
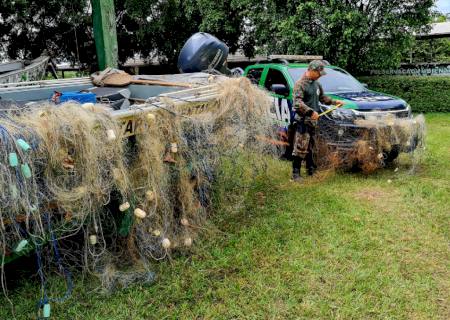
(391, 155)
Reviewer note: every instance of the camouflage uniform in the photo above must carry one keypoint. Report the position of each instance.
(307, 95)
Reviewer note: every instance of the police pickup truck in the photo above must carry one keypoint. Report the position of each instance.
(341, 125)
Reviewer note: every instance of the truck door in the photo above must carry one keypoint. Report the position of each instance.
(254, 75)
(281, 110)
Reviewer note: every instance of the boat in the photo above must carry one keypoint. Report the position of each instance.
(11, 66)
(125, 103)
(20, 71)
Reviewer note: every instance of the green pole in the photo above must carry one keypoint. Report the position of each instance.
(105, 35)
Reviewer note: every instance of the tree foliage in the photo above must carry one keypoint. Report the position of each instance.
(420, 92)
(60, 27)
(430, 50)
(162, 27)
(355, 34)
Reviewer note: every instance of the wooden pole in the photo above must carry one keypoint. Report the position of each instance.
(104, 21)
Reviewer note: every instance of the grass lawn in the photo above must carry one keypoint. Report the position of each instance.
(68, 74)
(345, 246)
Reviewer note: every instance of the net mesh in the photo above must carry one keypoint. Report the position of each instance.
(67, 173)
(119, 203)
(371, 143)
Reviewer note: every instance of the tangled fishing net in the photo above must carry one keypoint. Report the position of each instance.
(68, 173)
(79, 193)
(370, 143)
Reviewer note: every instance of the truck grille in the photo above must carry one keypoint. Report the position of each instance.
(399, 113)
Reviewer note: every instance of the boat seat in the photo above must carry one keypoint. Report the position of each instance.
(117, 98)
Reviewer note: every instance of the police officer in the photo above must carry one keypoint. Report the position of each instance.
(308, 92)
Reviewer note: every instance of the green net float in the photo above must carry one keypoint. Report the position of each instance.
(23, 144)
(26, 171)
(13, 160)
(14, 191)
(46, 311)
(21, 245)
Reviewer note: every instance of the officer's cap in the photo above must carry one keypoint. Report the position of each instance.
(318, 66)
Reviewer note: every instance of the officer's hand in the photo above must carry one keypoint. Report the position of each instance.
(338, 102)
(314, 116)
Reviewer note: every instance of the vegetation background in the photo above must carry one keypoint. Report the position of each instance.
(423, 93)
(356, 35)
(354, 247)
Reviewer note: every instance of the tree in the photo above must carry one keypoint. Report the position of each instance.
(430, 50)
(162, 27)
(439, 17)
(355, 34)
(60, 27)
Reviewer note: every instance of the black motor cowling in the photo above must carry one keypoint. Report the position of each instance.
(203, 52)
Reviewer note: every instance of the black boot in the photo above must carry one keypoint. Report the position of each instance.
(296, 166)
(296, 177)
(310, 166)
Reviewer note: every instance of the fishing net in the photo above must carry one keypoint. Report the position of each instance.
(58, 169)
(80, 194)
(180, 150)
(370, 143)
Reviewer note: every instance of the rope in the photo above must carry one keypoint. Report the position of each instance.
(45, 299)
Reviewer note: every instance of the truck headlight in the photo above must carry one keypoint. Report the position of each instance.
(343, 114)
(339, 114)
(408, 107)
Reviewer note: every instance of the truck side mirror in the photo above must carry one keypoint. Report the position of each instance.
(365, 85)
(280, 89)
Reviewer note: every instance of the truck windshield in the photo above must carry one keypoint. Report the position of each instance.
(336, 80)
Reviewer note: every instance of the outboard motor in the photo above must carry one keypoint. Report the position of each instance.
(203, 52)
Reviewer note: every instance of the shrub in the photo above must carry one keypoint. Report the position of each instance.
(424, 94)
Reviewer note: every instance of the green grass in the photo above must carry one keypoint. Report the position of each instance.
(68, 74)
(342, 247)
